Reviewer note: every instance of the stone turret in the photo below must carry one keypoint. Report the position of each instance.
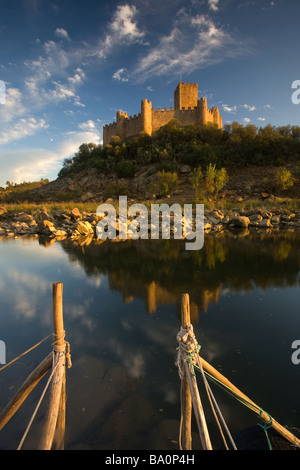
(185, 96)
(146, 116)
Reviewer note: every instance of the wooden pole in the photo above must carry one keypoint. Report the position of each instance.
(186, 398)
(198, 410)
(59, 438)
(192, 391)
(59, 365)
(32, 380)
(264, 416)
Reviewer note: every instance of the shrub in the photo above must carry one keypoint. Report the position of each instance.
(215, 180)
(167, 181)
(125, 169)
(197, 183)
(284, 179)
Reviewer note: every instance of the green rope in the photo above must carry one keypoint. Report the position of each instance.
(265, 427)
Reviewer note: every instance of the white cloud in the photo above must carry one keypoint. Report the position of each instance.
(249, 108)
(261, 119)
(14, 105)
(87, 126)
(31, 164)
(61, 33)
(229, 109)
(121, 75)
(193, 42)
(121, 30)
(213, 5)
(246, 120)
(24, 127)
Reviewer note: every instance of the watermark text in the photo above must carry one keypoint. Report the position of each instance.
(135, 222)
(2, 352)
(296, 353)
(296, 94)
(2, 92)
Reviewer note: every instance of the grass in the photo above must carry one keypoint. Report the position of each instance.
(222, 204)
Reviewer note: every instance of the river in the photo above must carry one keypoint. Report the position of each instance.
(122, 315)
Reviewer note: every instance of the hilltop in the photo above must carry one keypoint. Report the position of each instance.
(260, 164)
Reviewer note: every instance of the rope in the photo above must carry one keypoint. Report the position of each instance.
(188, 351)
(26, 352)
(265, 427)
(58, 348)
(64, 347)
(37, 407)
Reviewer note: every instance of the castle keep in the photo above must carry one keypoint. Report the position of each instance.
(188, 109)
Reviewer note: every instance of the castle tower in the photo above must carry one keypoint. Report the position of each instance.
(185, 95)
(146, 116)
(202, 112)
(121, 124)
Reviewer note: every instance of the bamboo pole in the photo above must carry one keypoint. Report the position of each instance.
(198, 410)
(192, 391)
(59, 438)
(186, 398)
(59, 365)
(240, 395)
(32, 380)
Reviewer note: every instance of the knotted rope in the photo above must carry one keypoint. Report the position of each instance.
(188, 351)
(62, 346)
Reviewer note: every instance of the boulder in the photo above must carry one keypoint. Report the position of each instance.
(84, 228)
(46, 227)
(42, 215)
(2, 210)
(75, 214)
(239, 221)
(265, 223)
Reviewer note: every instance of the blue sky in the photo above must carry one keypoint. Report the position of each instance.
(69, 66)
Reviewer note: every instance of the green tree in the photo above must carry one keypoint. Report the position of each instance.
(215, 180)
(197, 183)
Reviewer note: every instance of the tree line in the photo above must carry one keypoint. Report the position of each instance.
(235, 145)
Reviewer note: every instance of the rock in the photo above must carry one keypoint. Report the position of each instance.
(2, 210)
(239, 221)
(87, 196)
(46, 227)
(42, 215)
(25, 217)
(185, 169)
(60, 234)
(275, 219)
(255, 218)
(265, 223)
(75, 214)
(84, 228)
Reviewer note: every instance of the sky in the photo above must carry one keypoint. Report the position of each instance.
(67, 67)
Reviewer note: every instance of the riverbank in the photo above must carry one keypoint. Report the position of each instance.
(79, 223)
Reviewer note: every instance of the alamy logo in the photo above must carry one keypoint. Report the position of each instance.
(2, 92)
(135, 222)
(2, 353)
(296, 353)
(296, 94)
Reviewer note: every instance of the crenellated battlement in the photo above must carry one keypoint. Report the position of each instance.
(188, 109)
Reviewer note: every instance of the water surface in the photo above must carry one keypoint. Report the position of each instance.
(122, 315)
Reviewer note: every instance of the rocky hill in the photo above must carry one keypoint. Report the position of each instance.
(91, 186)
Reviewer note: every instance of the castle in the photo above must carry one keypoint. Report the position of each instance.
(188, 109)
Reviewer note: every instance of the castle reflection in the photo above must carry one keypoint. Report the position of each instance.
(159, 271)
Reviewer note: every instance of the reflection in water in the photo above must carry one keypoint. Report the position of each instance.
(160, 271)
(122, 314)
